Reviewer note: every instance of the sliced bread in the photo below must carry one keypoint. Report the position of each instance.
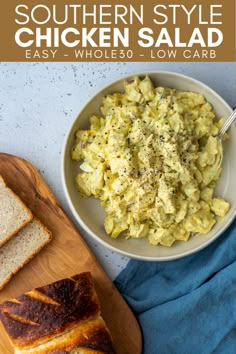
(14, 214)
(21, 248)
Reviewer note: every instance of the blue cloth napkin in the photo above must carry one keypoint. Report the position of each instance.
(186, 306)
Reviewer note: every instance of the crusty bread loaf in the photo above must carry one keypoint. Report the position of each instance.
(14, 214)
(62, 317)
(21, 248)
(90, 337)
(49, 310)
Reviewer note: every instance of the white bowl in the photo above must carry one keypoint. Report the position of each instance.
(88, 211)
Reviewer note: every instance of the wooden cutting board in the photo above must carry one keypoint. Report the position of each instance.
(67, 254)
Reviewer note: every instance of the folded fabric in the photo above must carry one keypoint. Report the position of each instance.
(186, 306)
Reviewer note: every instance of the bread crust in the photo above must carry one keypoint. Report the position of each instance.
(92, 337)
(24, 207)
(29, 321)
(2, 182)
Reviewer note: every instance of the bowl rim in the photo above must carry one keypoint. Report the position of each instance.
(62, 169)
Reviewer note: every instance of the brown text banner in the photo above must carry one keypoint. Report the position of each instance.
(74, 30)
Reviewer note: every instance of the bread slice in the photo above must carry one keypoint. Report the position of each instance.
(14, 214)
(61, 317)
(21, 248)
